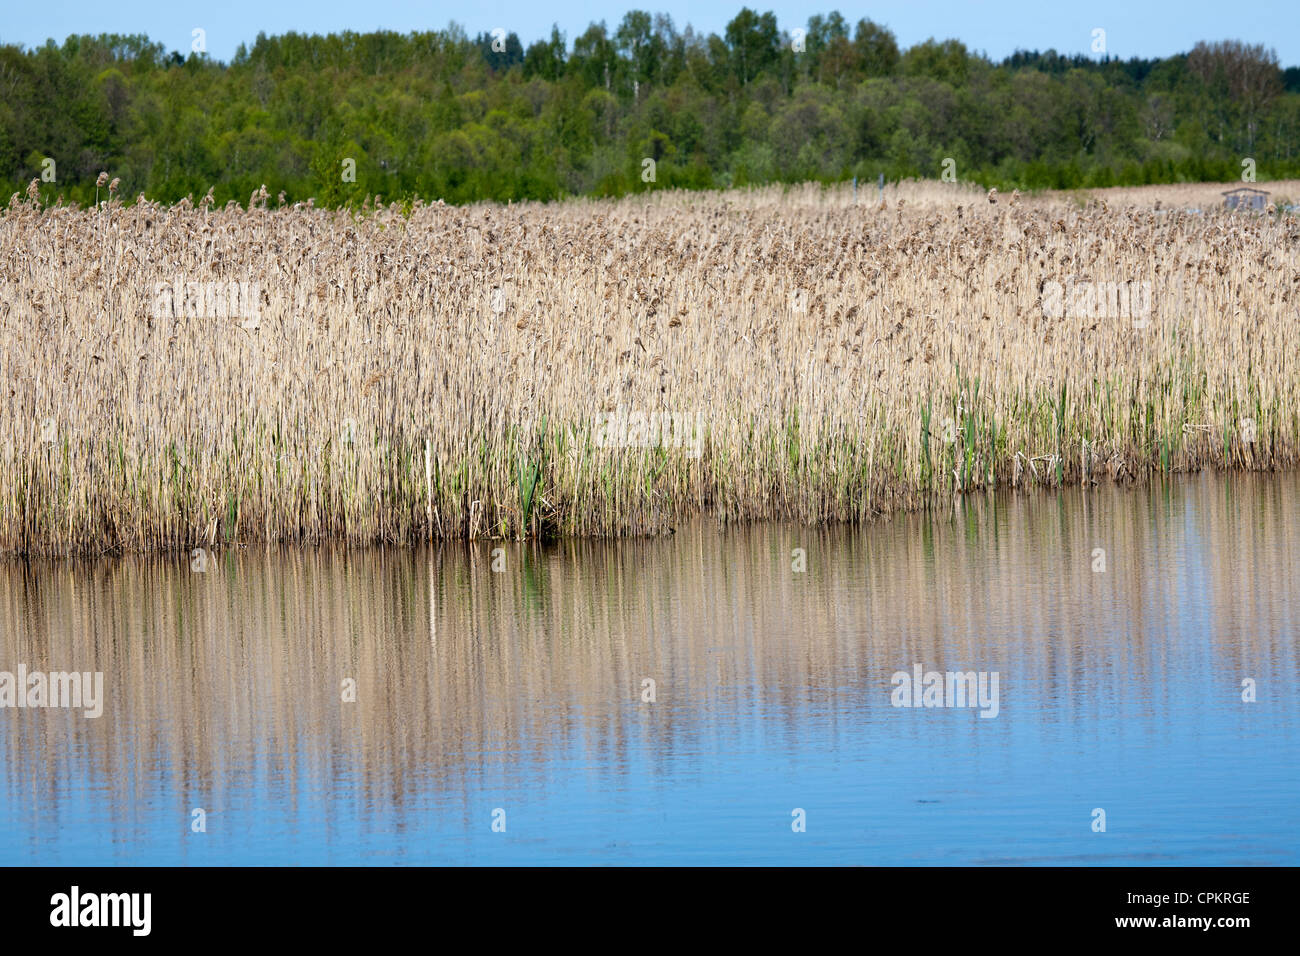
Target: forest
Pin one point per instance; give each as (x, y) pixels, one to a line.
(345, 118)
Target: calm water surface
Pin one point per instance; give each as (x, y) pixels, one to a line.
(521, 691)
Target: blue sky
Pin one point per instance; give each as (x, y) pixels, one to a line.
(1133, 27)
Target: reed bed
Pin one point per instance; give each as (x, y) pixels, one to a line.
(426, 371)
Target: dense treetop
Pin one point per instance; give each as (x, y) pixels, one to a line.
(445, 115)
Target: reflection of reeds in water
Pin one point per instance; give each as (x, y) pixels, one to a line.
(461, 671)
(438, 375)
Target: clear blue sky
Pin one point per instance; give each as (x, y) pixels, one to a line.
(1133, 27)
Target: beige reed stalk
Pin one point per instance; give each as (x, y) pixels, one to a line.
(812, 336)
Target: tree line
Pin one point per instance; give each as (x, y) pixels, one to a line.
(644, 105)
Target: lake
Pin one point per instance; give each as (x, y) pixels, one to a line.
(452, 705)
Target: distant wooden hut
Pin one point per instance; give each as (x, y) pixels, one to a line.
(1245, 197)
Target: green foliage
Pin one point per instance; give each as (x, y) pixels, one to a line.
(442, 115)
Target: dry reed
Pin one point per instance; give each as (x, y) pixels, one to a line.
(436, 371)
